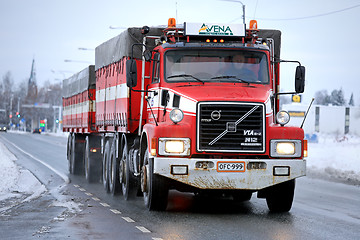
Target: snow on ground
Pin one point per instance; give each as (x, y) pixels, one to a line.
(16, 182)
(335, 157)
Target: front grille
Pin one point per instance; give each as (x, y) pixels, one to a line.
(230, 127)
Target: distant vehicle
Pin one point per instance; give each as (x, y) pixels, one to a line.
(37, 130)
(3, 127)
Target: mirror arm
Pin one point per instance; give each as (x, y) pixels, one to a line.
(289, 61)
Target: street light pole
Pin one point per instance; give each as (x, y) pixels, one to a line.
(243, 7)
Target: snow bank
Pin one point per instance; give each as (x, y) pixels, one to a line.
(337, 157)
(15, 181)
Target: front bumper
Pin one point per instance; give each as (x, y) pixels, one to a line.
(257, 174)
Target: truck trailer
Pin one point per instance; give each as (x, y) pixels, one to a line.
(192, 107)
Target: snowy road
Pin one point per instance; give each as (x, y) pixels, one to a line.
(321, 210)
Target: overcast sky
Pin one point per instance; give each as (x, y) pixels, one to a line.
(52, 31)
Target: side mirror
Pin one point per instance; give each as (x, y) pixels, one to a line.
(300, 79)
(131, 73)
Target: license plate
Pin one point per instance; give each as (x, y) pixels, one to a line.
(231, 166)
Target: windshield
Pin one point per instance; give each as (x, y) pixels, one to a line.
(216, 66)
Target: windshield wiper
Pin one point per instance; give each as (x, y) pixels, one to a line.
(227, 77)
(187, 75)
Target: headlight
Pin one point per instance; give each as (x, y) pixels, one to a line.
(176, 115)
(282, 117)
(285, 148)
(174, 146)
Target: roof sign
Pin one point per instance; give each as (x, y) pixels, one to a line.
(214, 29)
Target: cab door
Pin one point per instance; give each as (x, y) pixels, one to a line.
(153, 101)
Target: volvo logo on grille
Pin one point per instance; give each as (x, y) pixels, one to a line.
(215, 115)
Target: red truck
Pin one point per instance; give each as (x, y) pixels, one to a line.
(193, 108)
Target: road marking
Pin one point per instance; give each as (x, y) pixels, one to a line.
(89, 194)
(62, 175)
(128, 219)
(77, 186)
(143, 229)
(105, 204)
(81, 189)
(115, 211)
(96, 199)
(157, 239)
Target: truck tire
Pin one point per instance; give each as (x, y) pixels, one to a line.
(68, 147)
(92, 161)
(279, 198)
(155, 189)
(114, 182)
(76, 164)
(105, 168)
(127, 181)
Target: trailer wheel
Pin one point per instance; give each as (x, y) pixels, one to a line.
(76, 164)
(68, 148)
(114, 183)
(92, 161)
(105, 168)
(154, 188)
(279, 198)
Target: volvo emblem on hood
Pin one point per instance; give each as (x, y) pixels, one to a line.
(215, 115)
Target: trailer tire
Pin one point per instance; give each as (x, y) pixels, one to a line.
(279, 198)
(155, 189)
(92, 162)
(105, 168)
(114, 182)
(68, 148)
(76, 164)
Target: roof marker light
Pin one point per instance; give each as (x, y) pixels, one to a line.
(253, 25)
(171, 23)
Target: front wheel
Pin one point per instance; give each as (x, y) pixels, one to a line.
(154, 187)
(279, 198)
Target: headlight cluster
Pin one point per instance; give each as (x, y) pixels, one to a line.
(285, 148)
(174, 146)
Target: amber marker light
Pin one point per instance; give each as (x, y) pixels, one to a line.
(305, 148)
(171, 23)
(153, 147)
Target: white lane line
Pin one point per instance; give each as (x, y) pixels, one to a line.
(89, 194)
(82, 189)
(77, 186)
(157, 239)
(115, 211)
(104, 204)
(128, 219)
(143, 229)
(62, 175)
(96, 199)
